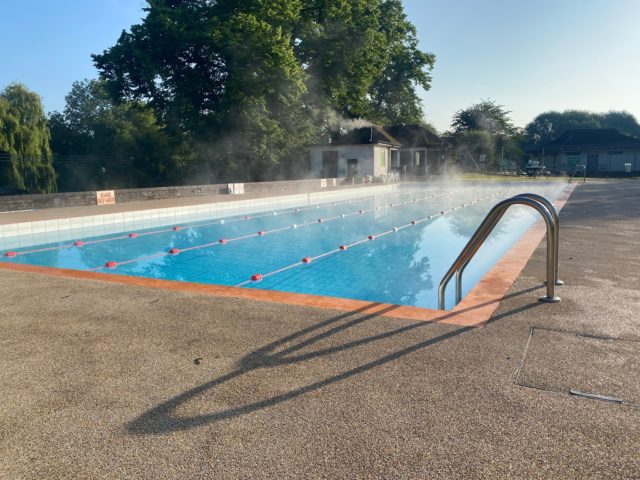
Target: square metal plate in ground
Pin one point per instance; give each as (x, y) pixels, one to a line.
(605, 368)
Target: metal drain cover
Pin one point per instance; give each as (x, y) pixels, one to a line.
(591, 367)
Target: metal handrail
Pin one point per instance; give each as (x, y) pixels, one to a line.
(575, 170)
(483, 231)
(556, 233)
(554, 213)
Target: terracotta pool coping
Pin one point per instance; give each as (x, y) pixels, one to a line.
(475, 309)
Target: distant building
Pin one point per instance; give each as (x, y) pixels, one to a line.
(378, 151)
(601, 150)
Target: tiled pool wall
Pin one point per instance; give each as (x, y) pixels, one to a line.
(26, 234)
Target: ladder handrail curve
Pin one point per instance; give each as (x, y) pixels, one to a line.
(487, 226)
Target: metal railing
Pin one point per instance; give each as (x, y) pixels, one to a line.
(584, 173)
(550, 216)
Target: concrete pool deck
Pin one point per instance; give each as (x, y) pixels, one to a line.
(104, 380)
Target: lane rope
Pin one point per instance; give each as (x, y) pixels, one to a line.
(224, 241)
(177, 228)
(342, 248)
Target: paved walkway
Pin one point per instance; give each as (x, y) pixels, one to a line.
(109, 381)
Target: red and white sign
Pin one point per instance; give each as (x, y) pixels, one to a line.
(106, 197)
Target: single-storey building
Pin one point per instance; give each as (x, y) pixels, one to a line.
(422, 152)
(601, 150)
(378, 151)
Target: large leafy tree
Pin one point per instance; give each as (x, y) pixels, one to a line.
(251, 81)
(549, 125)
(130, 146)
(24, 135)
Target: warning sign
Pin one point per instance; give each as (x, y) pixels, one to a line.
(106, 197)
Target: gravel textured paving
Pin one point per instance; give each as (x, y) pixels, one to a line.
(109, 381)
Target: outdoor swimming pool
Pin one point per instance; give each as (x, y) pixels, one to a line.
(391, 247)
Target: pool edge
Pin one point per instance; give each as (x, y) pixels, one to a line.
(475, 310)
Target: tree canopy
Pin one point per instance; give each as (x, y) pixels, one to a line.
(131, 147)
(24, 135)
(549, 125)
(484, 129)
(251, 81)
(486, 116)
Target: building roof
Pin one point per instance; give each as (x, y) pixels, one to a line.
(415, 136)
(593, 137)
(397, 136)
(365, 135)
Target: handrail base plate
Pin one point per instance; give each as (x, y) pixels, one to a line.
(546, 299)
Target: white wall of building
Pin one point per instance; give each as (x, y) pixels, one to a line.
(607, 161)
(368, 156)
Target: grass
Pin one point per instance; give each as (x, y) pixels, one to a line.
(511, 178)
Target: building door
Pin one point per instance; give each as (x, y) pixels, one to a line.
(330, 164)
(352, 167)
(592, 163)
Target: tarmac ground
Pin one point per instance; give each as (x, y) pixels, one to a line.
(102, 380)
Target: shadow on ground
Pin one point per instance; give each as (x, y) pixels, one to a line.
(161, 419)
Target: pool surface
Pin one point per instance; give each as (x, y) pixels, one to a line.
(390, 248)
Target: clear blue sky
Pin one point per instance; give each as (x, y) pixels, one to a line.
(530, 56)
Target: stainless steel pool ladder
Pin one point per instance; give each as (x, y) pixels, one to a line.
(550, 216)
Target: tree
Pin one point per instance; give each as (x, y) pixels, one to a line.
(486, 116)
(549, 125)
(131, 146)
(25, 136)
(482, 129)
(473, 144)
(250, 81)
(623, 121)
(362, 59)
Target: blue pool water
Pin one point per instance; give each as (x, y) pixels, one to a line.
(402, 267)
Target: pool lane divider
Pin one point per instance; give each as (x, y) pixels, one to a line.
(174, 251)
(342, 248)
(177, 228)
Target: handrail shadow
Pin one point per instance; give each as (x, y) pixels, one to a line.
(160, 419)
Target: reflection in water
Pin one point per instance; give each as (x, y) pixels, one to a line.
(467, 220)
